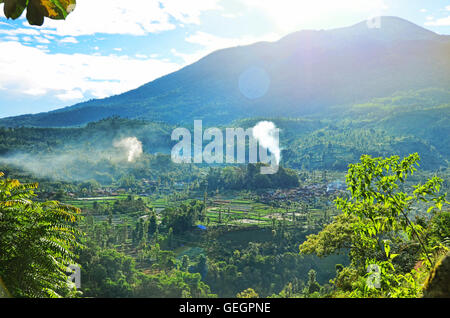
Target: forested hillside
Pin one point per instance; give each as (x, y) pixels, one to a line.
(304, 73)
(397, 125)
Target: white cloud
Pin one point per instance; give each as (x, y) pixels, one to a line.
(211, 43)
(11, 38)
(214, 42)
(69, 39)
(70, 95)
(21, 31)
(230, 15)
(73, 77)
(189, 58)
(439, 22)
(293, 15)
(42, 48)
(133, 17)
(189, 12)
(41, 40)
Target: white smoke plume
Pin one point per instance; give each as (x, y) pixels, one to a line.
(132, 146)
(266, 133)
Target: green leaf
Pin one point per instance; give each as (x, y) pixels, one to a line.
(387, 248)
(14, 8)
(58, 9)
(38, 9)
(35, 13)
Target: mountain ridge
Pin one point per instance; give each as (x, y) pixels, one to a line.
(308, 72)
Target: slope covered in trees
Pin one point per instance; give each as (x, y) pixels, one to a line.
(385, 222)
(393, 244)
(401, 124)
(309, 72)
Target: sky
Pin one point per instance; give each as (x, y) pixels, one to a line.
(107, 47)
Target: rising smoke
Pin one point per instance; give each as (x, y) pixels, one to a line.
(132, 146)
(76, 162)
(265, 132)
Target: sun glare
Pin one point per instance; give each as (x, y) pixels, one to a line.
(290, 15)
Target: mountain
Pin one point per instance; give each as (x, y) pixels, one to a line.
(304, 73)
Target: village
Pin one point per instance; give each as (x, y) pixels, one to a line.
(303, 193)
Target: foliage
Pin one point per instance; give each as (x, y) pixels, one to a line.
(383, 229)
(312, 286)
(107, 273)
(184, 217)
(379, 205)
(176, 284)
(38, 9)
(248, 293)
(249, 177)
(37, 241)
(334, 237)
(111, 274)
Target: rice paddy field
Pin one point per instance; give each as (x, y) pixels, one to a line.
(232, 209)
(86, 203)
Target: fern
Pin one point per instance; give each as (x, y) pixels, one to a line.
(37, 240)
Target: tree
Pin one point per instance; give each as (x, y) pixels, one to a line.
(37, 241)
(107, 273)
(38, 9)
(248, 293)
(313, 286)
(201, 267)
(334, 237)
(377, 219)
(152, 225)
(381, 208)
(184, 263)
(170, 238)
